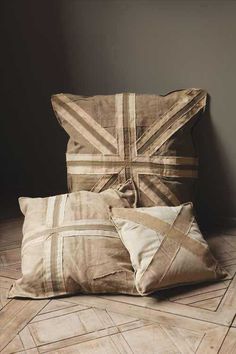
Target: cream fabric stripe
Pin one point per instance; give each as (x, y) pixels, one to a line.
(88, 232)
(93, 158)
(154, 197)
(117, 168)
(61, 211)
(47, 268)
(165, 172)
(44, 228)
(170, 114)
(175, 127)
(132, 123)
(104, 181)
(50, 211)
(119, 124)
(79, 127)
(58, 277)
(88, 222)
(168, 160)
(95, 169)
(174, 109)
(92, 122)
(71, 233)
(194, 246)
(84, 224)
(179, 123)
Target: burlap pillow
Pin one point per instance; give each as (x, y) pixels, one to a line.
(146, 137)
(70, 245)
(166, 247)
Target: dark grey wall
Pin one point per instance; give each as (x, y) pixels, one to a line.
(91, 47)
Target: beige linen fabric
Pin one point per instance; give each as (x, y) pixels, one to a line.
(127, 135)
(70, 245)
(166, 247)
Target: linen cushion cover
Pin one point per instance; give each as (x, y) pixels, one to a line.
(70, 245)
(166, 247)
(143, 136)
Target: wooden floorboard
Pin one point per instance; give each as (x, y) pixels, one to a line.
(191, 319)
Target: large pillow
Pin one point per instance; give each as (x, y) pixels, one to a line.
(127, 135)
(166, 247)
(70, 245)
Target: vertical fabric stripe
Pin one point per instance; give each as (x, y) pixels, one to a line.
(50, 211)
(132, 123)
(53, 247)
(119, 98)
(119, 123)
(47, 268)
(56, 264)
(126, 126)
(62, 206)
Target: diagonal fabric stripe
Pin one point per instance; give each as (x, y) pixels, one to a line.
(177, 232)
(83, 123)
(104, 182)
(179, 114)
(157, 192)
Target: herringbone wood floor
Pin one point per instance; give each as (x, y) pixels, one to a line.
(191, 319)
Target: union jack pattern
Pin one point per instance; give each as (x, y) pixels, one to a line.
(104, 151)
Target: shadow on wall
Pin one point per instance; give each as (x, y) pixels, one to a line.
(212, 170)
(35, 66)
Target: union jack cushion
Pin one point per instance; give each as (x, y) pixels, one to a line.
(142, 137)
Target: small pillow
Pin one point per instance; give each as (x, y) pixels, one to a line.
(166, 247)
(70, 245)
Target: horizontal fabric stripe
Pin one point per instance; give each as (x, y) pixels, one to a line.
(95, 169)
(165, 172)
(93, 157)
(168, 160)
(92, 225)
(88, 232)
(139, 167)
(72, 233)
